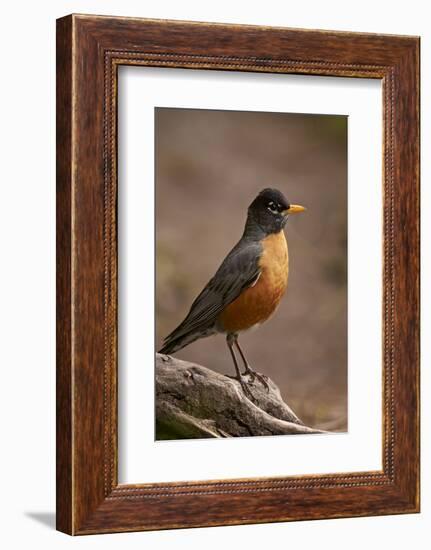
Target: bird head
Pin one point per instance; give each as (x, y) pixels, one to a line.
(270, 210)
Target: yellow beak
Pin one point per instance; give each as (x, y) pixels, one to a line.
(294, 209)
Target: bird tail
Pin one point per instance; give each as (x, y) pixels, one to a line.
(174, 343)
(178, 339)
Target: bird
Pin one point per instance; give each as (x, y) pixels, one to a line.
(247, 287)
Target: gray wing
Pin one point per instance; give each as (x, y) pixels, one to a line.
(239, 270)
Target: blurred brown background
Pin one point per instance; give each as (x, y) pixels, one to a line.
(209, 167)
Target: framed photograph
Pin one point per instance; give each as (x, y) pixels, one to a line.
(237, 274)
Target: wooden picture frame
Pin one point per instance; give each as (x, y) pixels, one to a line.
(89, 51)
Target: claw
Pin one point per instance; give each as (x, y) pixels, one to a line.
(244, 387)
(261, 377)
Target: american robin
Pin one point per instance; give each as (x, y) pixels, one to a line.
(248, 285)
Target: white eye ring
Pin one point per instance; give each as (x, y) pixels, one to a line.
(272, 208)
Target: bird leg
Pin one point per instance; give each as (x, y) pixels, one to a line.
(230, 339)
(248, 370)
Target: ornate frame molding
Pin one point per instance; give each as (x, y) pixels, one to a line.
(89, 498)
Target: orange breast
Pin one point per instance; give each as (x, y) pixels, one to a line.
(257, 303)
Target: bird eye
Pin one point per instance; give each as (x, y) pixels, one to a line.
(272, 207)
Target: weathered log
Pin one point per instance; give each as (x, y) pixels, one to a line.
(193, 401)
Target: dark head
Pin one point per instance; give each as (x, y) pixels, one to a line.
(270, 210)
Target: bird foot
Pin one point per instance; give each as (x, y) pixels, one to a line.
(246, 389)
(244, 385)
(261, 377)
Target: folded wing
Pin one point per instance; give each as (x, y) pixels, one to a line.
(239, 270)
